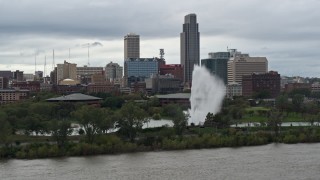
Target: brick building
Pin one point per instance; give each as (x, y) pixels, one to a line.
(292, 86)
(32, 86)
(13, 95)
(263, 82)
(175, 69)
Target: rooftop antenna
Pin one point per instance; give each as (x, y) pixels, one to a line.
(69, 54)
(53, 63)
(45, 65)
(88, 55)
(35, 63)
(161, 53)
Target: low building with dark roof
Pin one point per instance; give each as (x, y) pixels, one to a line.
(178, 98)
(76, 97)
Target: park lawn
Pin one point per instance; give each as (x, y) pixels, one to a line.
(257, 108)
(204, 130)
(253, 118)
(39, 138)
(292, 117)
(25, 138)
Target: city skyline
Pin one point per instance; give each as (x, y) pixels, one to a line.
(285, 33)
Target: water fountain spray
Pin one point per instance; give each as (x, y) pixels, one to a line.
(207, 93)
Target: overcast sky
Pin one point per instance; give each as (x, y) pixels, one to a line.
(287, 32)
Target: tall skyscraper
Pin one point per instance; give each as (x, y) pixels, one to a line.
(131, 46)
(189, 46)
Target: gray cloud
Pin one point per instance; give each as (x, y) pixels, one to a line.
(285, 32)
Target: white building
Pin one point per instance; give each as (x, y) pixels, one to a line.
(234, 89)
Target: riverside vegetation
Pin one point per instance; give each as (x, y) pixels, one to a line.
(23, 125)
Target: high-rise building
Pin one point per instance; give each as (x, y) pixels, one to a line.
(217, 64)
(6, 74)
(242, 64)
(189, 46)
(114, 72)
(131, 46)
(139, 69)
(38, 74)
(18, 75)
(66, 71)
(4, 83)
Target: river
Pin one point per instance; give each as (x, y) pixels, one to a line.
(273, 161)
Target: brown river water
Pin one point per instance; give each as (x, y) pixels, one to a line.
(273, 161)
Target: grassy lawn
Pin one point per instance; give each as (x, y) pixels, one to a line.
(40, 138)
(257, 108)
(25, 138)
(253, 118)
(292, 117)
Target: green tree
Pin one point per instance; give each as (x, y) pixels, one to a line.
(262, 94)
(311, 118)
(63, 110)
(34, 123)
(154, 102)
(60, 130)
(170, 110)
(220, 120)
(282, 103)
(113, 102)
(275, 121)
(315, 95)
(16, 113)
(237, 112)
(44, 109)
(311, 108)
(131, 120)
(297, 102)
(209, 121)
(91, 118)
(302, 91)
(180, 121)
(108, 120)
(5, 129)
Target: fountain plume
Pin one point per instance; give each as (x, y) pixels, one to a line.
(207, 93)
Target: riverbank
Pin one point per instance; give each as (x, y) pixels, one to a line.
(163, 139)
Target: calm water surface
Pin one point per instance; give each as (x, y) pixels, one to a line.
(274, 161)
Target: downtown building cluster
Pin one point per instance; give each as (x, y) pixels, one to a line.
(242, 74)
